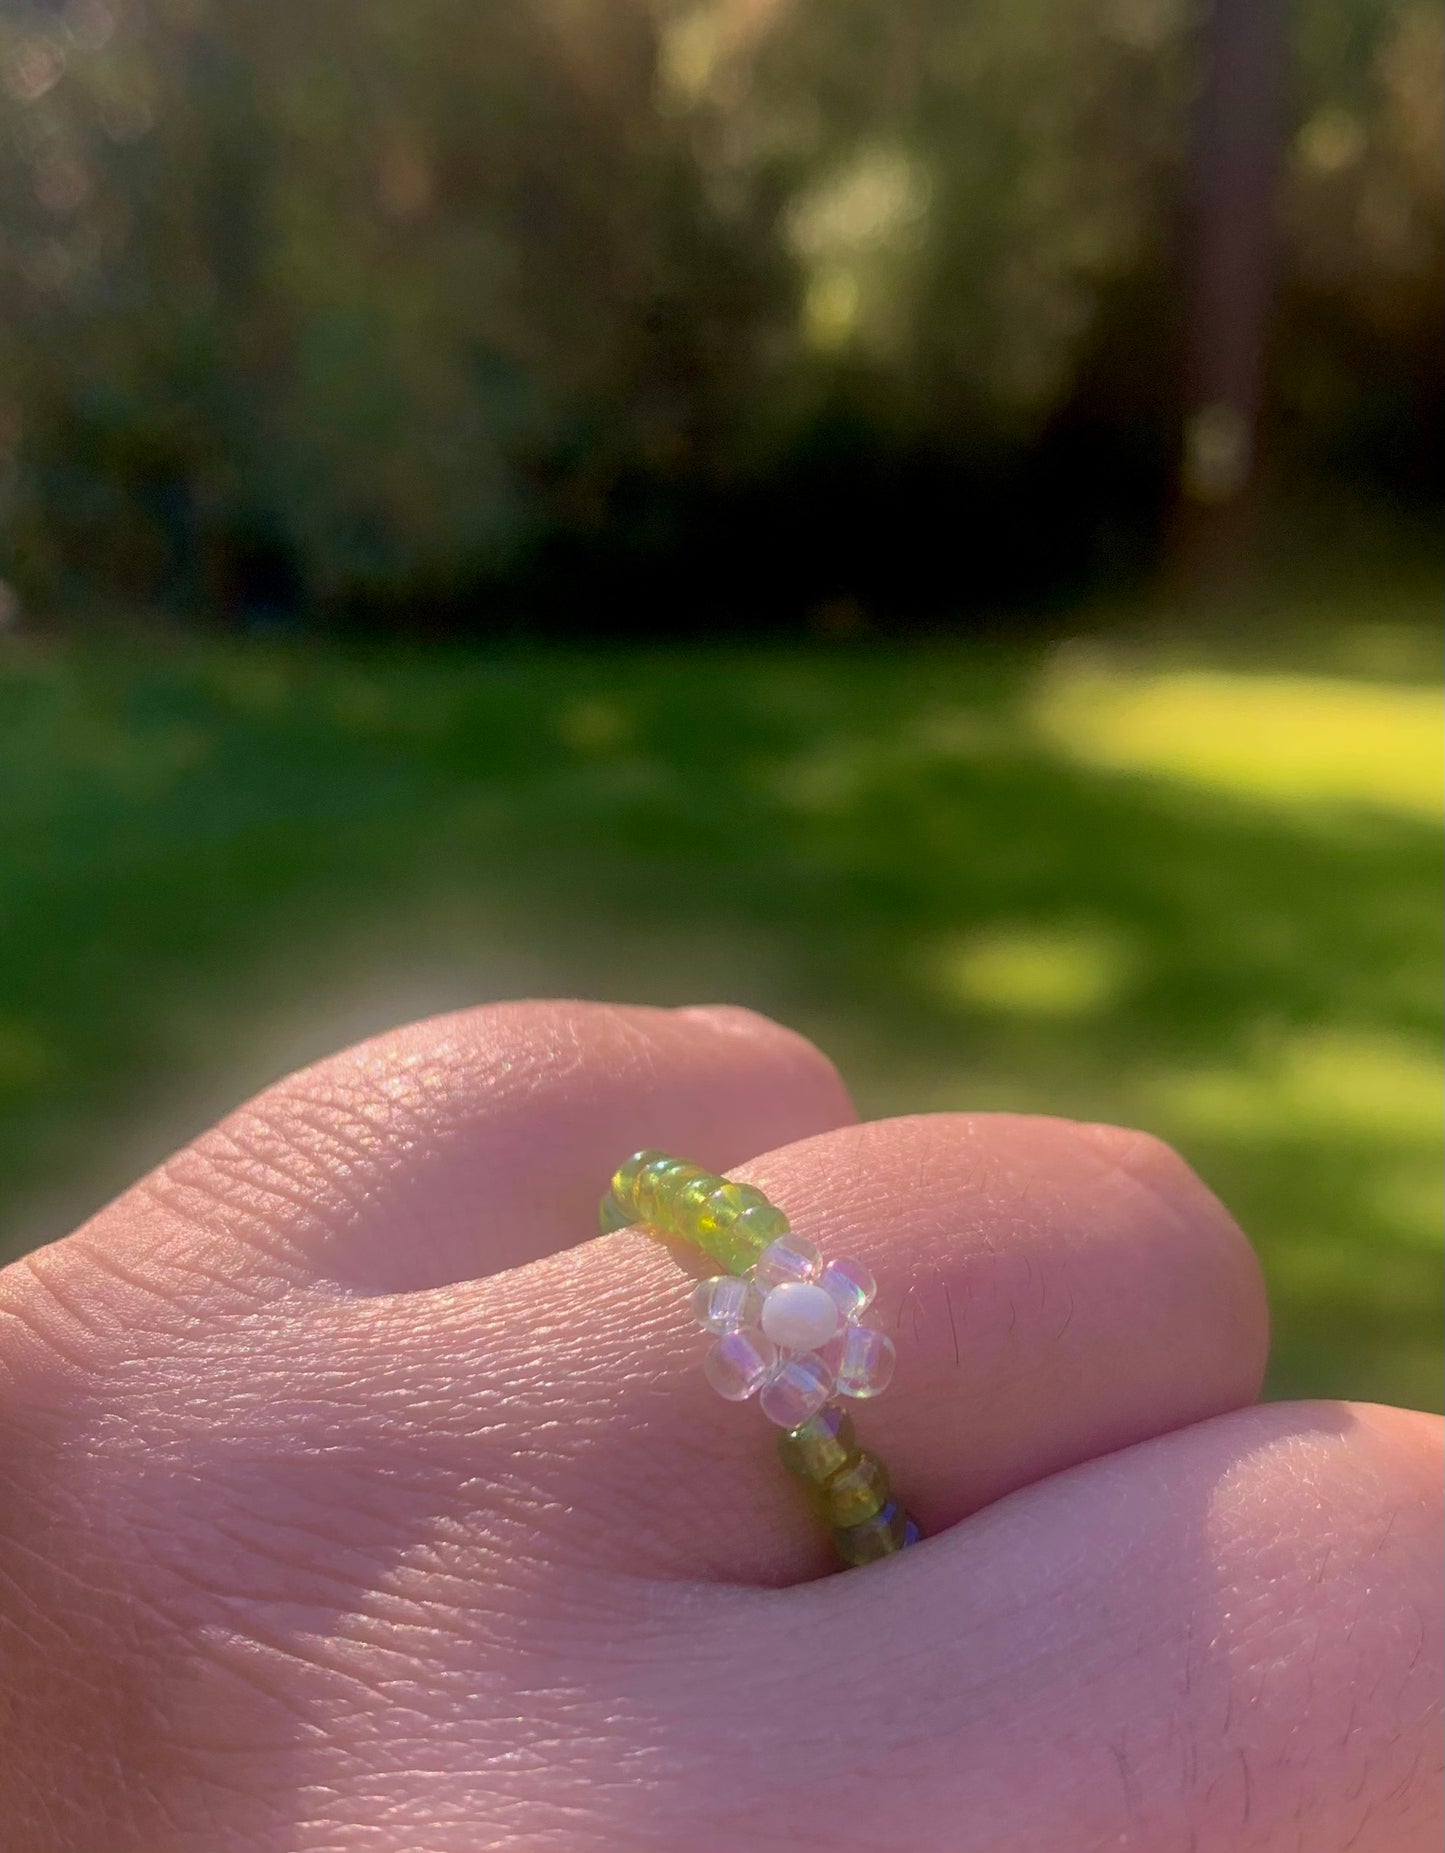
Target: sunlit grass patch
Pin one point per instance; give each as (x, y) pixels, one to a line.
(1279, 737)
(1319, 1082)
(1028, 971)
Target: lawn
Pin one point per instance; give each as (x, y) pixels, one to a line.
(1186, 882)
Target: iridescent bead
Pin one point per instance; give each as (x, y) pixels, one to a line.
(879, 1536)
(624, 1178)
(819, 1447)
(797, 1389)
(739, 1365)
(791, 1257)
(725, 1303)
(911, 1533)
(851, 1287)
(865, 1362)
(611, 1215)
(855, 1493)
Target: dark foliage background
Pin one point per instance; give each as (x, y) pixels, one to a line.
(489, 313)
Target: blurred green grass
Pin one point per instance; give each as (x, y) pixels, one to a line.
(1190, 883)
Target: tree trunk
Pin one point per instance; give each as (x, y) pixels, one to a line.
(1238, 130)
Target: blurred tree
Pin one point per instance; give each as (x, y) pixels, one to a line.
(778, 299)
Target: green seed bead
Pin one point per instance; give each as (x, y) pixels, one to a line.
(611, 1215)
(824, 1445)
(624, 1178)
(689, 1202)
(758, 1226)
(855, 1493)
(733, 1256)
(667, 1193)
(695, 1192)
(727, 1203)
(650, 1188)
(879, 1536)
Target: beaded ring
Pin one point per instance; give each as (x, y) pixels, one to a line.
(788, 1329)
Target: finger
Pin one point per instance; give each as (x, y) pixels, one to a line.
(462, 1145)
(1056, 1292)
(1227, 1638)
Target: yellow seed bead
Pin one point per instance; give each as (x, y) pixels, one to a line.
(855, 1493)
(822, 1447)
(624, 1178)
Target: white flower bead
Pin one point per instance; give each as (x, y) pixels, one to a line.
(799, 1316)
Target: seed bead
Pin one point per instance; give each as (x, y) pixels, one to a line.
(727, 1203)
(691, 1196)
(667, 1196)
(649, 1192)
(611, 1215)
(624, 1178)
(821, 1447)
(879, 1536)
(854, 1494)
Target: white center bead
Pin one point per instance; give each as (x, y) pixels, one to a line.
(799, 1316)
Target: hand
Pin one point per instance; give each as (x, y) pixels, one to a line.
(350, 1506)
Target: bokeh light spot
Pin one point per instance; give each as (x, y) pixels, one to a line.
(1030, 971)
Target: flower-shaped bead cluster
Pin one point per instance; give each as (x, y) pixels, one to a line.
(790, 1332)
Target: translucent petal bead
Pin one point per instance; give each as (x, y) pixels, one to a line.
(879, 1536)
(798, 1316)
(725, 1303)
(797, 1389)
(791, 1257)
(855, 1493)
(624, 1178)
(819, 1447)
(611, 1215)
(865, 1362)
(739, 1365)
(850, 1286)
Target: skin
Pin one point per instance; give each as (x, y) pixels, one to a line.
(351, 1506)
